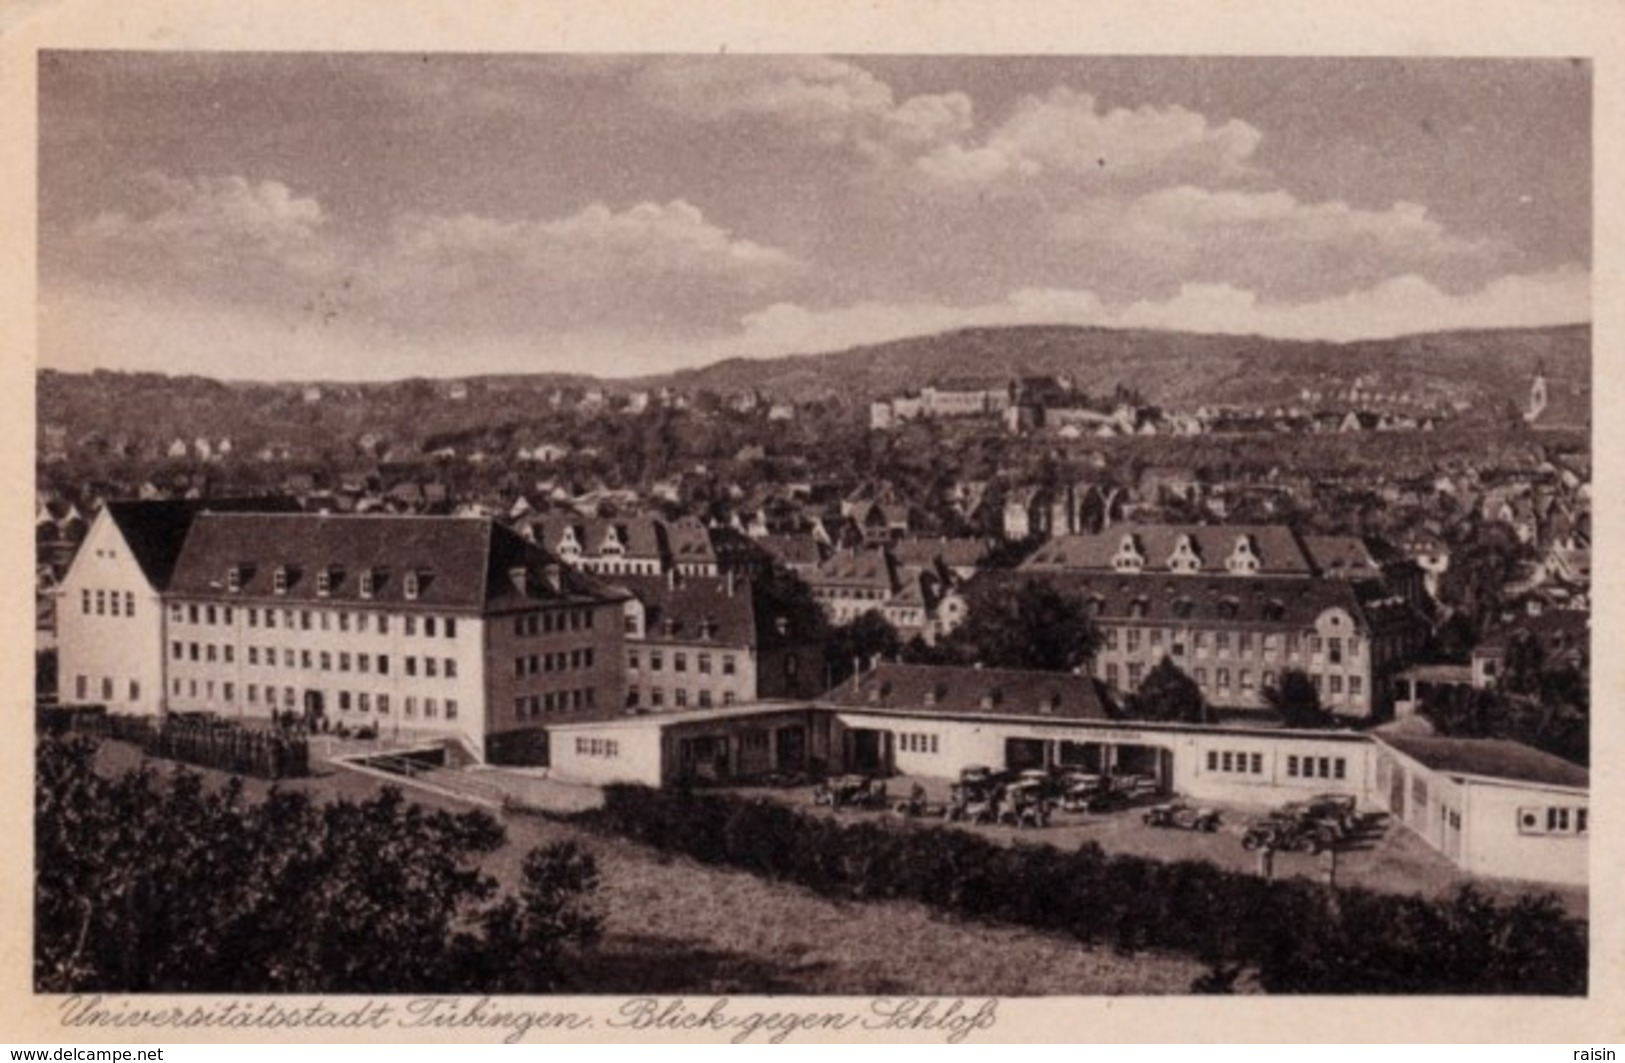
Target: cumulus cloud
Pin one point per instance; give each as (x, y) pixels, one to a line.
(200, 225)
(1394, 307)
(833, 101)
(594, 245)
(1269, 240)
(1066, 136)
(259, 243)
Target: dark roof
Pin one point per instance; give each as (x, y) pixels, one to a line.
(954, 553)
(792, 549)
(640, 536)
(1495, 758)
(946, 691)
(463, 563)
(681, 609)
(156, 530)
(863, 568)
(1173, 599)
(1345, 556)
(1279, 551)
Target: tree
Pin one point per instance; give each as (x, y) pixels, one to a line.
(1027, 625)
(1297, 700)
(162, 884)
(1168, 694)
(858, 642)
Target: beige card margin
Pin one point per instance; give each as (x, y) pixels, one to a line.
(1593, 29)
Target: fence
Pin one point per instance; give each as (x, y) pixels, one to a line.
(208, 743)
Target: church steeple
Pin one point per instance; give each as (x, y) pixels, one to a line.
(1537, 395)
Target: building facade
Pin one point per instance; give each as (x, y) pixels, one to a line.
(441, 628)
(109, 612)
(1235, 607)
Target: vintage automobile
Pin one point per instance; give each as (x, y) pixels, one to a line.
(851, 791)
(1342, 807)
(1026, 804)
(917, 804)
(1282, 831)
(973, 804)
(1181, 815)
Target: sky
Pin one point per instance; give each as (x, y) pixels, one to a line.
(356, 217)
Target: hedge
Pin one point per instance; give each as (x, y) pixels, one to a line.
(1300, 937)
(211, 744)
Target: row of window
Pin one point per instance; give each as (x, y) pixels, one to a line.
(1232, 762)
(530, 706)
(1335, 685)
(538, 663)
(1556, 819)
(348, 701)
(107, 603)
(324, 660)
(1238, 762)
(864, 594)
(81, 689)
(916, 743)
(1316, 767)
(679, 661)
(314, 619)
(1244, 641)
(551, 620)
(597, 747)
(657, 697)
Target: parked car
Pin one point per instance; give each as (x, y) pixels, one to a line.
(1281, 831)
(1181, 815)
(1026, 804)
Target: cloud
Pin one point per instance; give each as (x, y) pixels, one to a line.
(1397, 306)
(1064, 136)
(198, 226)
(258, 243)
(834, 102)
(594, 245)
(1267, 240)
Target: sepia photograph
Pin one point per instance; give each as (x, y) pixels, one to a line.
(937, 527)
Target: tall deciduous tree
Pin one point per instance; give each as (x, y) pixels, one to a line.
(1297, 700)
(1167, 693)
(1030, 624)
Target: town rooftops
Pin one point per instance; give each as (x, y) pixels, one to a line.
(1342, 556)
(1159, 598)
(156, 530)
(414, 562)
(1491, 758)
(690, 609)
(952, 691)
(1278, 552)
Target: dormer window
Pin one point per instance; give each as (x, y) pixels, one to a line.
(324, 583)
(234, 579)
(992, 698)
(1129, 557)
(366, 582)
(412, 586)
(1138, 607)
(1243, 559)
(1184, 558)
(279, 580)
(519, 577)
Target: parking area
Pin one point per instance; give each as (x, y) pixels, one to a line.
(1377, 855)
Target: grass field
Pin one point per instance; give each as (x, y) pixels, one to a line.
(672, 926)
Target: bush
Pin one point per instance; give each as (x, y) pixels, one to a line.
(1300, 937)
